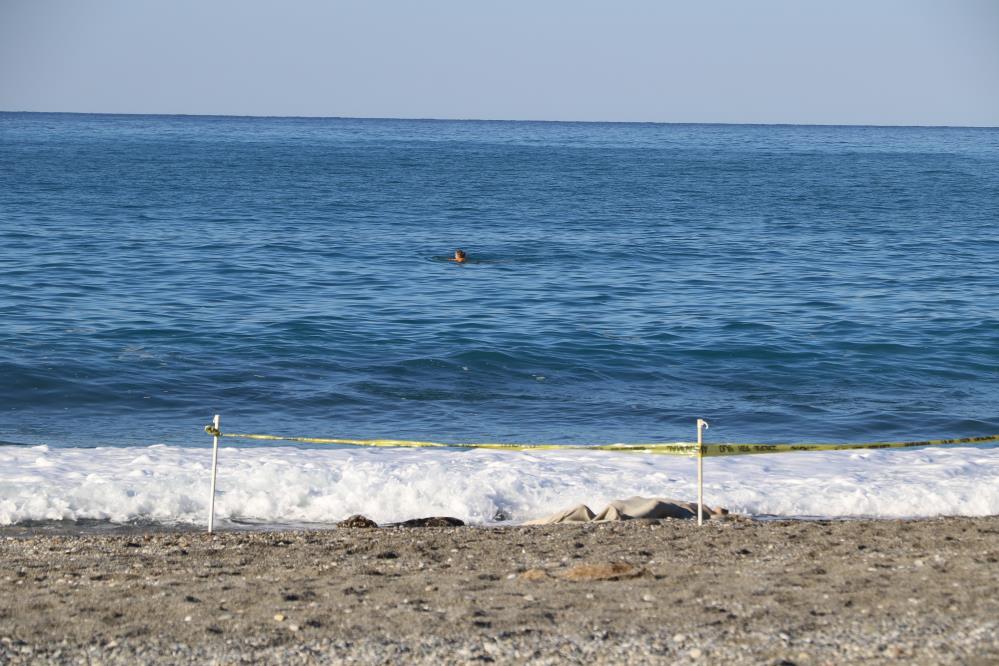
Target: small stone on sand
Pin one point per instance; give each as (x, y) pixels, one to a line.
(534, 574)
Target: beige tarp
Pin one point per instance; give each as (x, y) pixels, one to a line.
(649, 508)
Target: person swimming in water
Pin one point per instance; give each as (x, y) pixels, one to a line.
(459, 256)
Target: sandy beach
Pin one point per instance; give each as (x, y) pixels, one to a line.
(735, 591)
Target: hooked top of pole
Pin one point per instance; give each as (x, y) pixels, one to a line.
(213, 427)
(701, 423)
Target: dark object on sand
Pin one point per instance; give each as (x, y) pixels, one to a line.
(433, 521)
(357, 521)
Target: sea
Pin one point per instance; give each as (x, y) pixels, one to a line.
(797, 284)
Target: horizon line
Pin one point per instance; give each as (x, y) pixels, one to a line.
(490, 120)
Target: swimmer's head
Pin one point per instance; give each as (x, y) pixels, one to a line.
(459, 256)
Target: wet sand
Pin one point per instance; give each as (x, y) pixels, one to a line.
(735, 591)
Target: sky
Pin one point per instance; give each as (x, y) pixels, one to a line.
(877, 62)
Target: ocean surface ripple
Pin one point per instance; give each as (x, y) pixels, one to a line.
(785, 283)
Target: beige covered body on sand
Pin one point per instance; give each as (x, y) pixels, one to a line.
(633, 508)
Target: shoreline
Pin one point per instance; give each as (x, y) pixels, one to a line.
(97, 527)
(734, 591)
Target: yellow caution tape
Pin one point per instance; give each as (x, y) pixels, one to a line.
(744, 449)
(676, 449)
(661, 448)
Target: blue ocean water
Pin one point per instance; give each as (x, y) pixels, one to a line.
(784, 282)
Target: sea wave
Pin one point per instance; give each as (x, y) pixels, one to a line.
(294, 485)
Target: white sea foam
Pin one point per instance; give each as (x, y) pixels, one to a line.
(282, 485)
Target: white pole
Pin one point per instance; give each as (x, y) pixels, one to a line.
(701, 425)
(215, 466)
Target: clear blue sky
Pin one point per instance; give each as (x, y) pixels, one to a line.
(886, 62)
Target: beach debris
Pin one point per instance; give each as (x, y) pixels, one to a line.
(633, 508)
(357, 520)
(433, 521)
(603, 571)
(279, 617)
